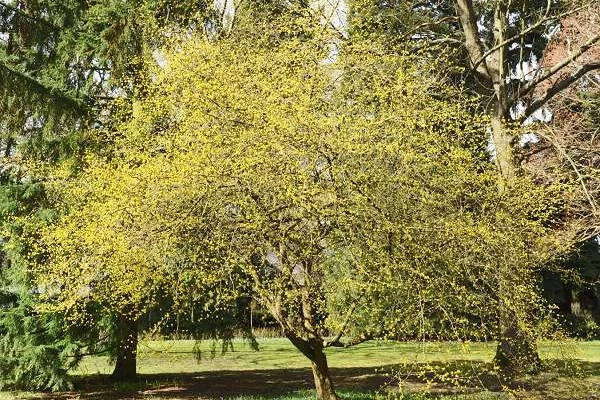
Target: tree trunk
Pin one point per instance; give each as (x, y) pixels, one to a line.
(516, 353)
(125, 367)
(516, 350)
(313, 350)
(323, 383)
(506, 162)
(494, 71)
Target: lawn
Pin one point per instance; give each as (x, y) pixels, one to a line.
(170, 369)
(157, 357)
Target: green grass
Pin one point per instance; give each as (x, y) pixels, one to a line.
(156, 357)
(169, 356)
(170, 369)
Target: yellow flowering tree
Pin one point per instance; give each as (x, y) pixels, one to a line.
(344, 190)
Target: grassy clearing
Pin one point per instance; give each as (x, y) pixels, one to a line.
(171, 370)
(156, 357)
(170, 356)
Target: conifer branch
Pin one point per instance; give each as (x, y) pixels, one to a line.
(51, 92)
(23, 14)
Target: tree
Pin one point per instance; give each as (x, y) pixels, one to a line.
(62, 66)
(508, 39)
(496, 48)
(567, 149)
(348, 198)
(37, 348)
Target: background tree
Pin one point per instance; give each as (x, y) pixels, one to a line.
(509, 38)
(37, 349)
(566, 149)
(62, 65)
(504, 52)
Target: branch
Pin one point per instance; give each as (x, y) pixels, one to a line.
(445, 40)
(529, 29)
(533, 83)
(588, 233)
(29, 17)
(301, 344)
(358, 340)
(580, 177)
(351, 310)
(234, 16)
(417, 29)
(328, 19)
(474, 47)
(55, 93)
(533, 152)
(558, 87)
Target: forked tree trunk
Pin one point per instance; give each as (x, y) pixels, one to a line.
(125, 367)
(314, 351)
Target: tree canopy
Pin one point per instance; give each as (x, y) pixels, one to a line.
(360, 179)
(350, 198)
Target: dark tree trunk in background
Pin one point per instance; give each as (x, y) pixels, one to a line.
(125, 367)
(516, 354)
(516, 351)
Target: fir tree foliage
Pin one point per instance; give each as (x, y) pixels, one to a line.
(62, 62)
(36, 349)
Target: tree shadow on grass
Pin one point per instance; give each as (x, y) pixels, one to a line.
(438, 378)
(560, 379)
(221, 384)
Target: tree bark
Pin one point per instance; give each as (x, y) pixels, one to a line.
(314, 351)
(505, 159)
(125, 367)
(516, 353)
(323, 383)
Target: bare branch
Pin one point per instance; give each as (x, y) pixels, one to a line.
(531, 28)
(579, 177)
(533, 83)
(466, 14)
(417, 29)
(445, 40)
(558, 87)
(533, 152)
(358, 340)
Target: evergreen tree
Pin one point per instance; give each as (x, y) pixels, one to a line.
(62, 65)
